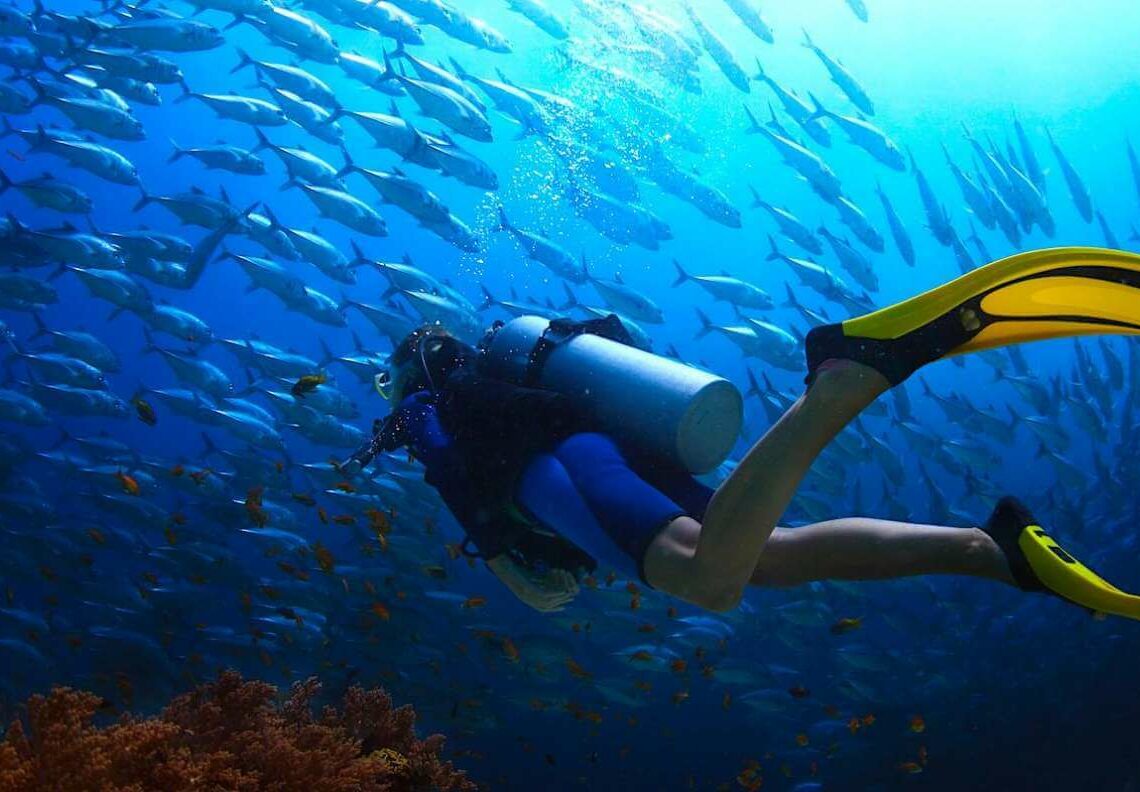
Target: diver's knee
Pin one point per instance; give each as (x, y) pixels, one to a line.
(671, 566)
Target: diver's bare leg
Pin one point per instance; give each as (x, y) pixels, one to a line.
(748, 503)
(861, 548)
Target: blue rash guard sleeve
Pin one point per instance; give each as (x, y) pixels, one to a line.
(445, 469)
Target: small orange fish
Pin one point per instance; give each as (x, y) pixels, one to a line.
(634, 602)
(510, 651)
(646, 628)
(304, 498)
(846, 625)
(678, 666)
(922, 755)
(679, 696)
(853, 725)
(96, 536)
(914, 768)
(177, 471)
(802, 740)
(324, 558)
(576, 670)
(171, 537)
(611, 576)
(799, 692)
(474, 602)
(322, 515)
(308, 384)
(868, 719)
(200, 476)
(380, 611)
(641, 656)
(144, 412)
(289, 569)
(917, 724)
(590, 582)
(643, 685)
(128, 483)
(344, 519)
(345, 486)
(671, 612)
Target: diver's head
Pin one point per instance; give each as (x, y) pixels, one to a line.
(422, 361)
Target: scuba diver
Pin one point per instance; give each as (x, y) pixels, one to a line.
(522, 439)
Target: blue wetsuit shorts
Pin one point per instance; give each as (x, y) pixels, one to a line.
(609, 504)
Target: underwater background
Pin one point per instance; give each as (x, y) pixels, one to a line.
(154, 533)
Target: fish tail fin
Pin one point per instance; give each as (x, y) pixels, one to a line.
(757, 201)
(349, 166)
(682, 276)
(38, 89)
(186, 92)
(389, 72)
(41, 328)
(488, 298)
(460, 72)
(243, 60)
(327, 356)
(571, 300)
(64, 438)
(773, 251)
(792, 301)
(178, 152)
(752, 120)
(144, 199)
(208, 447)
(149, 346)
(753, 386)
(263, 142)
(760, 73)
(706, 324)
(7, 129)
(5, 182)
(358, 257)
(820, 111)
(807, 42)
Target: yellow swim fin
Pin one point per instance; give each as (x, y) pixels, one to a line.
(1038, 563)
(1051, 293)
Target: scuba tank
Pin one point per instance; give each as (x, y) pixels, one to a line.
(678, 412)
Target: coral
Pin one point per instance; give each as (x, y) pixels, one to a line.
(229, 734)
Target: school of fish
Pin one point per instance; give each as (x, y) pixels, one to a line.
(320, 177)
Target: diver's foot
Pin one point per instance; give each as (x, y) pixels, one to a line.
(1009, 518)
(895, 359)
(847, 382)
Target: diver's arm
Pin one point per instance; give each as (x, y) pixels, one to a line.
(545, 592)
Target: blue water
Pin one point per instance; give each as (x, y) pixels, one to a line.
(1016, 691)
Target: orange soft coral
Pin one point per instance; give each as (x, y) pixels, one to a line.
(229, 734)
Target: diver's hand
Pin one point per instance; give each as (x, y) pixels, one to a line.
(545, 592)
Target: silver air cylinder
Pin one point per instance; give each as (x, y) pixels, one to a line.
(656, 404)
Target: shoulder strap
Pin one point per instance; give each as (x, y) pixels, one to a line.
(563, 329)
